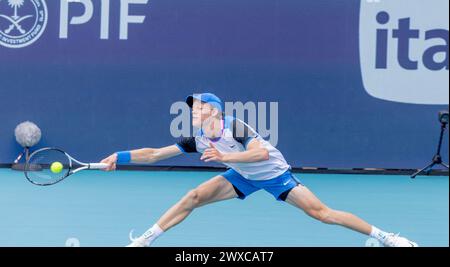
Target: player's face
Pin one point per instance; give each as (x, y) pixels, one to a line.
(200, 113)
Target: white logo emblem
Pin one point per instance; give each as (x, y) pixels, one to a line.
(22, 22)
(404, 50)
(72, 242)
(372, 242)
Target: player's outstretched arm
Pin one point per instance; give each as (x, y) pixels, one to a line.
(143, 155)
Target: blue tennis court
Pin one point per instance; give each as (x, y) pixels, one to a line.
(351, 95)
(99, 209)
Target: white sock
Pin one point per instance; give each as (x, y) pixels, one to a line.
(151, 234)
(378, 234)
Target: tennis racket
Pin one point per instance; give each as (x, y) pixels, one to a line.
(39, 170)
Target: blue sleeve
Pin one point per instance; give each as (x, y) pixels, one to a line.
(242, 133)
(187, 145)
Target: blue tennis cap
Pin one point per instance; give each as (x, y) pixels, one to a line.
(209, 98)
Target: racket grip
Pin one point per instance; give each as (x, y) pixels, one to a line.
(97, 166)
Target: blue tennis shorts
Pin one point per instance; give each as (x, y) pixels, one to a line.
(279, 186)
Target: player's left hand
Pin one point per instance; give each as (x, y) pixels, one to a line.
(212, 154)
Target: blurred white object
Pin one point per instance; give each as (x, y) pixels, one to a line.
(27, 134)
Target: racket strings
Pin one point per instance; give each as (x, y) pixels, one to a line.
(39, 167)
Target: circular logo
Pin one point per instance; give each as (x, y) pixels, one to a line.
(22, 22)
(372, 242)
(72, 242)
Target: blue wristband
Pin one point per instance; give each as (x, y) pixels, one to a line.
(123, 157)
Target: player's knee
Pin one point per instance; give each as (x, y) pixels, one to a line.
(192, 199)
(325, 215)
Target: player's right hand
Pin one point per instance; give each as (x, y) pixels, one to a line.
(111, 161)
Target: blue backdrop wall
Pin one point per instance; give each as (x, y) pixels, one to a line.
(93, 96)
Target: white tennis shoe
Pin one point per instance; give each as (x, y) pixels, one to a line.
(394, 240)
(141, 241)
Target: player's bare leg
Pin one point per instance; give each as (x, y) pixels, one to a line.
(301, 197)
(216, 189)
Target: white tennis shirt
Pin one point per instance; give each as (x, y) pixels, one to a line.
(236, 135)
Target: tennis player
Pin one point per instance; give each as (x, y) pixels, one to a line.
(254, 164)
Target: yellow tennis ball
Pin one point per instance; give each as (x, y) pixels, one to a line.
(56, 167)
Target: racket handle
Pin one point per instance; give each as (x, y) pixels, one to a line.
(97, 166)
